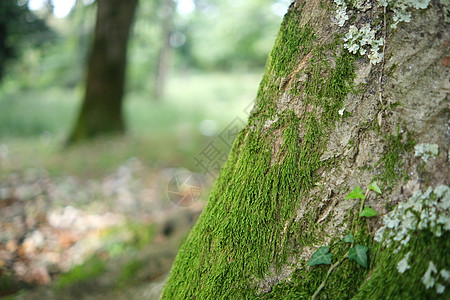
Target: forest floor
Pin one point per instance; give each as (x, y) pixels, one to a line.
(70, 237)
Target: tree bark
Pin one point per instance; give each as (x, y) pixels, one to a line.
(101, 111)
(325, 121)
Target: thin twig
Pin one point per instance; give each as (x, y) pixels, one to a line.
(332, 267)
(380, 80)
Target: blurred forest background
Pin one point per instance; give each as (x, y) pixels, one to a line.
(93, 219)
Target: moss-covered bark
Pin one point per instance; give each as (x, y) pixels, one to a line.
(101, 111)
(318, 129)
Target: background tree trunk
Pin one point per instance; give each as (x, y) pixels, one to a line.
(326, 121)
(165, 53)
(101, 111)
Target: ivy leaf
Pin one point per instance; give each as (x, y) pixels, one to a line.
(368, 212)
(321, 256)
(349, 238)
(374, 187)
(358, 254)
(357, 193)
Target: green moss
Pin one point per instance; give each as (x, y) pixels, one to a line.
(386, 282)
(327, 87)
(392, 69)
(394, 105)
(248, 229)
(239, 221)
(343, 282)
(391, 163)
(414, 237)
(293, 43)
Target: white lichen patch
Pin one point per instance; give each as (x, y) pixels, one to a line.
(422, 211)
(402, 265)
(445, 274)
(446, 7)
(426, 151)
(269, 122)
(402, 8)
(363, 40)
(440, 288)
(341, 12)
(428, 278)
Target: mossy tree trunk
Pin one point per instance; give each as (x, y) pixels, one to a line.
(101, 111)
(326, 121)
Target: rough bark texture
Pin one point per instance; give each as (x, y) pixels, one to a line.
(101, 111)
(281, 194)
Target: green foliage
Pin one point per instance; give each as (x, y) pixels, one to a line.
(349, 238)
(19, 28)
(368, 212)
(357, 193)
(240, 38)
(374, 187)
(358, 254)
(321, 256)
(50, 54)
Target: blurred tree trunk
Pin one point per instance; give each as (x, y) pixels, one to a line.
(326, 121)
(101, 111)
(167, 15)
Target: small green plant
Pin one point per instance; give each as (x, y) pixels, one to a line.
(321, 256)
(357, 252)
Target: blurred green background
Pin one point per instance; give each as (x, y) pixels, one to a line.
(214, 62)
(218, 52)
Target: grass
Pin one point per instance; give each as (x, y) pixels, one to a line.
(34, 124)
(92, 268)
